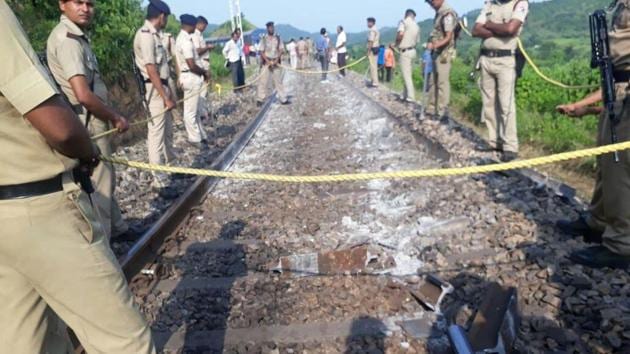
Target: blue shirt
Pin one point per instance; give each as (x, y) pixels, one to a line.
(428, 62)
(381, 56)
(322, 44)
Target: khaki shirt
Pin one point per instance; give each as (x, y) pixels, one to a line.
(148, 47)
(24, 84)
(620, 37)
(185, 49)
(200, 42)
(302, 47)
(70, 54)
(496, 12)
(271, 46)
(411, 33)
(374, 36)
(445, 22)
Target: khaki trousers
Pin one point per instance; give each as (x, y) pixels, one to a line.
(275, 74)
(204, 109)
(610, 207)
(160, 133)
(406, 69)
(104, 180)
(498, 79)
(303, 58)
(55, 260)
(192, 85)
(440, 86)
(373, 68)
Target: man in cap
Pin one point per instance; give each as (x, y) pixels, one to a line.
(192, 79)
(499, 24)
(442, 45)
(608, 223)
(152, 60)
(407, 39)
(203, 50)
(302, 51)
(373, 44)
(55, 258)
(75, 68)
(271, 50)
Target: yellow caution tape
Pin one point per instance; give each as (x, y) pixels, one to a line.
(186, 98)
(472, 170)
(309, 72)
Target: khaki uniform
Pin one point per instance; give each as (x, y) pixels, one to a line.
(374, 37)
(148, 47)
(610, 207)
(439, 82)
(69, 54)
(411, 37)
(498, 75)
(204, 63)
(273, 48)
(192, 85)
(302, 51)
(55, 259)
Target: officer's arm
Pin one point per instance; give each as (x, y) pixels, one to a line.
(93, 103)
(194, 68)
(443, 42)
(583, 107)
(399, 37)
(62, 129)
(509, 29)
(480, 31)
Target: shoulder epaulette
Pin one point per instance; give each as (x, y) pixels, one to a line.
(73, 36)
(145, 30)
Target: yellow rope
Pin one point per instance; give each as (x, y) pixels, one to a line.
(308, 72)
(537, 70)
(380, 175)
(186, 98)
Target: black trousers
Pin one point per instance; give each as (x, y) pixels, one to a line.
(389, 74)
(341, 62)
(238, 74)
(381, 72)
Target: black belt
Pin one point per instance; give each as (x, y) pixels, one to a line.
(77, 108)
(621, 76)
(163, 81)
(402, 50)
(497, 53)
(32, 189)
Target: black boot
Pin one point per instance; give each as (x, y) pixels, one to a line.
(578, 228)
(600, 257)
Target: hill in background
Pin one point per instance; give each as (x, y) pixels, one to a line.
(225, 29)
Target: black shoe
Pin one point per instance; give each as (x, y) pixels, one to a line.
(600, 257)
(285, 103)
(259, 104)
(487, 148)
(578, 228)
(168, 194)
(509, 156)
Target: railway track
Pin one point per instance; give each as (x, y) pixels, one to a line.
(210, 277)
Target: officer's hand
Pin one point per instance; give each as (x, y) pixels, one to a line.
(121, 123)
(430, 46)
(169, 103)
(573, 110)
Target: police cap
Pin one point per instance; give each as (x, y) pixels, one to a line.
(187, 19)
(159, 6)
(269, 24)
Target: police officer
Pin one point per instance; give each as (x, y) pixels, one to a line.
(499, 24)
(192, 79)
(271, 50)
(608, 222)
(151, 59)
(302, 50)
(55, 258)
(75, 68)
(203, 62)
(373, 44)
(407, 39)
(442, 44)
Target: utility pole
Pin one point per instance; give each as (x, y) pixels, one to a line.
(235, 15)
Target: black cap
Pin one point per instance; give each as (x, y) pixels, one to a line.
(202, 19)
(410, 12)
(270, 23)
(187, 19)
(159, 6)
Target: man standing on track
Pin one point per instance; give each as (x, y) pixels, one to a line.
(342, 51)
(442, 45)
(302, 50)
(234, 56)
(373, 43)
(322, 54)
(292, 49)
(152, 61)
(75, 68)
(203, 50)
(192, 79)
(271, 53)
(55, 260)
(499, 24)
(407, 40)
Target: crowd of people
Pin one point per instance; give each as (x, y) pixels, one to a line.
(57, 200)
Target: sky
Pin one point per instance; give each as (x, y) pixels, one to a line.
(311, 15)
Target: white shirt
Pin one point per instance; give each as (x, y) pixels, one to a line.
(200, 42)
(292, 48)
(185, 49)
(341, 39)
(231, 51)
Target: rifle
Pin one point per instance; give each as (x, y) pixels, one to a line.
(141, 85)
(601, 59)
